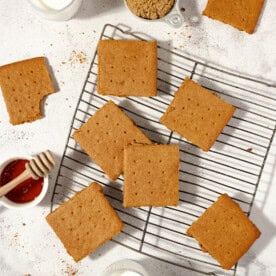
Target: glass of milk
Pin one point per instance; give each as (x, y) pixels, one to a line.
(59, 10)
(125, 267)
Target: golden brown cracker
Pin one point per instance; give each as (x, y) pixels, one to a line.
(104, 136)
(224, 231)
(242, 14)
(24, 84)
(151, 174)
(127, 68)
(85, 222)
(197, 114)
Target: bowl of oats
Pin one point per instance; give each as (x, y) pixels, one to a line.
(156, 10)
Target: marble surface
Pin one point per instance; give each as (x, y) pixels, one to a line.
(27, 244)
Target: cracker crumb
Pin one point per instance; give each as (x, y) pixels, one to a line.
(70, 270)
(77, 57)
(15, 241)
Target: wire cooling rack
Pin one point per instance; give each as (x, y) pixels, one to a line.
(234, 165)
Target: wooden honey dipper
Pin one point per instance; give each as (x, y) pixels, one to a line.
(39, 166)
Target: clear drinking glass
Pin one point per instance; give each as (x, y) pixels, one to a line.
(125, 267)
(59, 10)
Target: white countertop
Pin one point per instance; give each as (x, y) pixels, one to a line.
(27, 244)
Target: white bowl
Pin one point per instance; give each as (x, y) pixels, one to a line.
(13, 205)
(174, 17)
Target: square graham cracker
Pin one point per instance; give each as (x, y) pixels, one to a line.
(197, 114)
(224, 231)
(127, 68)
(85, 222)
(24, 84)
(242, 14)
(104, 136)
(151, 175)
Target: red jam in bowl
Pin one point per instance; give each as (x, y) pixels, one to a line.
(27, 190)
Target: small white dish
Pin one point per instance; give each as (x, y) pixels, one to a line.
(174, 18)
(61, 10)
(125, 267)
(13, 205)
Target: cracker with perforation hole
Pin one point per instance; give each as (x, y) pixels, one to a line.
(242, 14)
(24, 84)
(104, 136)
(85, 222)
(127, 68)
(197, 114)
(151, 174)
(224, 231)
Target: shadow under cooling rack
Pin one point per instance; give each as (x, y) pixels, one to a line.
(234, 165)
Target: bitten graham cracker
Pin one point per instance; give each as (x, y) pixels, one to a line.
(151, 174)
(224, 231)
(242, 14)
(24, 84)
(197, 114)
(85, 222)
(104, 136)
(127, 68)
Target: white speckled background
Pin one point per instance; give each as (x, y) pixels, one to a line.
(27, 244)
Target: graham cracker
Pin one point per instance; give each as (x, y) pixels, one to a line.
(85, 222)
(242, 14)
(151, 175)
(24, 84)
(224, 231)
(104, 136)
(197, 114)
(127, 68)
